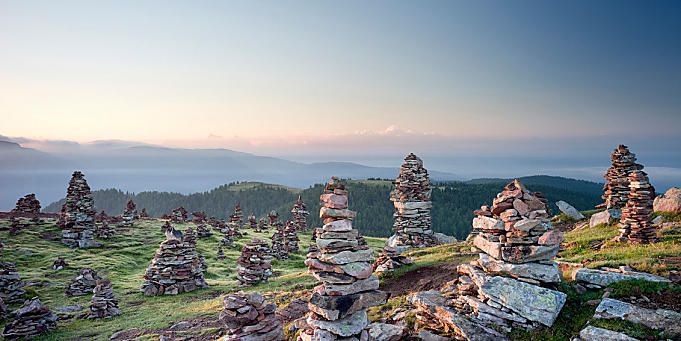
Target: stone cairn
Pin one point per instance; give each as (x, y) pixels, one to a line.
(278, 249)
(507, 285)
(190, 237)
(103, 304)
(129, 214)
(252, 222)
(31, 320)
(175, 268)
(227, 240)
(221, 254)
(203, 231)
(178, 215)
(104, 230)
(79, 214)
(254, 264)
(248, 317)
(635, 225)
(237, 218)
(84, 283)
(28, 206)
(199, 217)
(389, 259)
(616, 187)
(144, 214)
(11, 287)
(59, 264)
(261, 225)
(411, 198)
(299, 214)
(291, 236)
(338, 305)
(101, 217)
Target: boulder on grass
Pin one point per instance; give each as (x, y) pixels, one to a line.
(668, 202)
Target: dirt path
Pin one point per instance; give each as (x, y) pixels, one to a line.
(421, 279)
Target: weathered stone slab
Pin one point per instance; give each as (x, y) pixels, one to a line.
(369, 283)
(487, 223)
(547, 273)
(669, 201)
(569, 210)
(385, 332)
(326, 212)
(345, 257)
(342, 225)
(336, 307)
(348, 326)
(604, 278)
(605, 217)
(591, 333)
(660, 319)
(413, 205)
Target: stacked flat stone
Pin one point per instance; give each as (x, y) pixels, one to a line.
(616, 187)
(635, 225)
(190, 237)
(221, 254)
(338, 305)
(144, 214)
(27, 206)
(175, 268)
(102, 216)
(389, 259)
(129, 214)
(299, 214)
(104, 304)
(59, 264)
(202, 230)
(104, 230)
(261, 225)
(411, 198)
(507, 285)
(227, 240)
(199, 217)
(79, 214)
(252, 222)
(11, 287)
(279, 249)
(290, 236)
(83, 283)
(178, 215)
(254, 264)
(237, 218)
(31, 320)
(248, 317)
(17, 225)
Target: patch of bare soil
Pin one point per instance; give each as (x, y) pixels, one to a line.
(663, 299)
(421, 279)
(194, 326)
(50, 235)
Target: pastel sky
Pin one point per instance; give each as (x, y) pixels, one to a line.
(274, 75)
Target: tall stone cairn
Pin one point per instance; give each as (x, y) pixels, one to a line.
(103, 304)
(11, 286)
(190, 237)
(178, 215)
(79, 214)
(175, 268)
(278, 249)
(237, 218)
(616, 188)
(635, 226)
(27, 206)
(31, 320)
(299, 214)
(129, 214)
(252, 222)
(291, 236)
(83, 283)
(411, 197)
(254, 266)
(248, 317)
(338, 305)
(507, 285)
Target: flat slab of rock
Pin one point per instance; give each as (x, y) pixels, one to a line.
(605, 217)
(660, 319)
(569, 210)
(668, 202)
(547, 273)
(605, 278)
(385, 332)
(516, 254)
(348, 326)
(591, 333)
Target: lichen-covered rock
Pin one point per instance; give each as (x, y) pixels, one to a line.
(569, 210)
(591, 333)
(604, 278)
(660, 319)
(605, 217)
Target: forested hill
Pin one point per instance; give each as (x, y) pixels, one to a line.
(553, 181)
(453, 202)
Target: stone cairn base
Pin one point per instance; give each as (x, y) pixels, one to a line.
(227, 240)
(31, 320)
(290, 236)
(17, 225)
(635, 225)
(299, 214)
(248, 317)
(338, 305)
(389, 259)
(616, 188)
(103, 304)
(178, 215)
(78, 214)
(59, 264)
(83, 283)
(11, 287)
(254, 264)
(129, 214)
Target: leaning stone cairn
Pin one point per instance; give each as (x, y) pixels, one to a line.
(635, 225)
(254, 264)
(299, 214)
(175, 268)
(389, 259)
(616, 187)
(178, 215)
(279, 249)
(411, 198)
(79, 214)
(129, 214)
(290, 236)
(248, 317)
(11, 287)
(28, 206)
(338, 305)
(31, 320)
(103, 304)
(252, 222)
(83, 283)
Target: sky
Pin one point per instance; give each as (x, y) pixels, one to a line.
(330, 80)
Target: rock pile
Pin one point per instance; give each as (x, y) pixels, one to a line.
(175, 268)
(635, 225)
(104, 230)
(31, 320)
(299, 214)
(221, 254)
(261, 225)
(79, 214)
(102, 216)
(178, 215)
(3, 310)
(11, 287)
(254, 264)
(290, 236)
(190, 238)
(252, 222)
(17, 225)
(237, 218)
(411, 198)
(103, 304)
(248, 317)
(389, 259)
(338, 305)
(144, 214)
(227, 240)
(202, 230)
(27, 206)
(279, 249)
(129, 214)
(83, 283)
(616, 187)
(59, 264)
(199, 217)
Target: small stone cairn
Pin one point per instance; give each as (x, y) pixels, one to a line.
(254, 264)
(83, 283)
(28, 206)
(227, 240)
(11, 287)
(616, 187)
(144, 214)
(389, 259)
(31, 320)
(103, 304)
(199, 217)
(252, 222)
(202, 230)
(278, 249)
(104, 230)
(79, 214)
(237, 218)
(248, 317)
(411, 198)
(175, 268)
(291, 236)
(338, 305)
(221, 254)
(261, 225)
(129, 214)
(635, 226)
(299, 214)
(17, 225)
(178, 215)
(59, 264)
(102, 216)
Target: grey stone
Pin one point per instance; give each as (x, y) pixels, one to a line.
(367, 284)
(569, 210)
(428, 336)
(487, 223)
(660, 319)
(605, 217)
(591, 333)
(348, 326)
(444, 239)
(605, 278)
(385, 332)
(335, 307)
(345, 257)
(547, 273)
